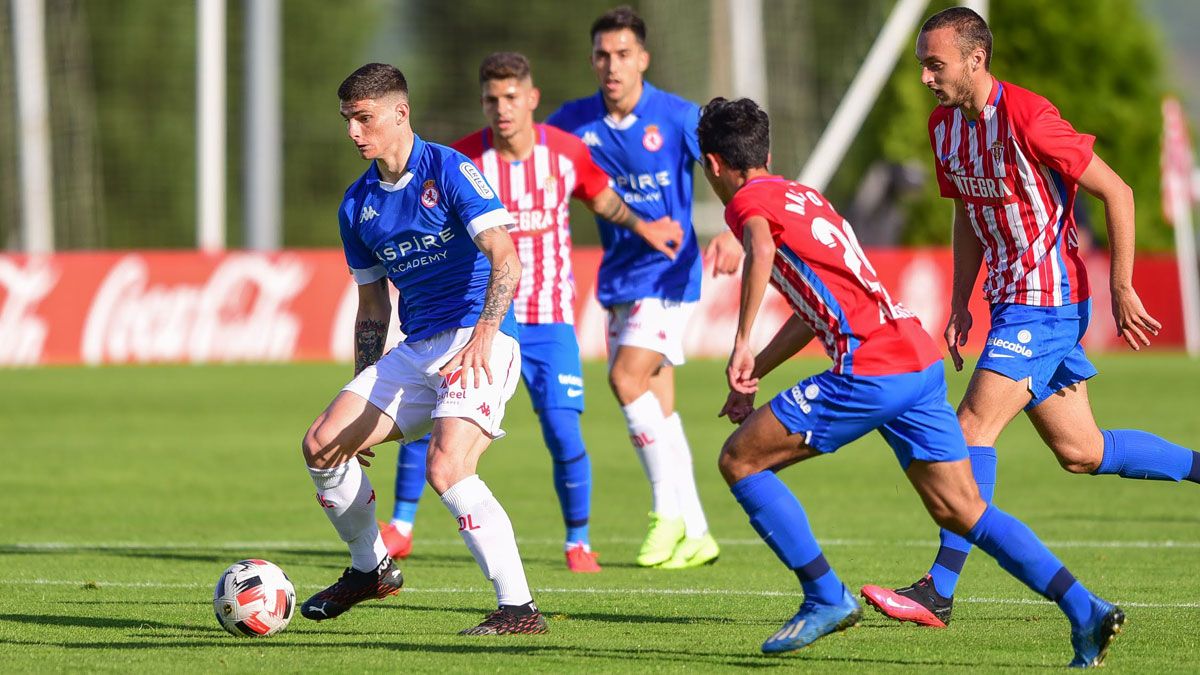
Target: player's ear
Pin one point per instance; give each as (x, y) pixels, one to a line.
(712, 163)
(535, 97)
(643, 60)
(401, 110)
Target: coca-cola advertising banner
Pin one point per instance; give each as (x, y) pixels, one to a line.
(186, 307)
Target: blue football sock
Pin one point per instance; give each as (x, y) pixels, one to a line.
(952, 554)
(572, 469)
(1137, 454)
(410, 478)
(779, 519)
(1019, 551)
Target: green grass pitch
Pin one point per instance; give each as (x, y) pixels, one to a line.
(128, 490)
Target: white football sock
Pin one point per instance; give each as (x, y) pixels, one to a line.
(685, 479)
(488, 532)
(404, 527)
(648, 433)
(349, 501)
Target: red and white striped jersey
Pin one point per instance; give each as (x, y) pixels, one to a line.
(1016, 170)
(537, 192)
(824, 275)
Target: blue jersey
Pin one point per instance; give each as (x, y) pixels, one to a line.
(419, 233)
(649, 156)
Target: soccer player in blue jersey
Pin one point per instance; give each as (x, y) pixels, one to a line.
(887, 376)
(425, 219)
(1013, 167)
(645, 139)
(537, 170)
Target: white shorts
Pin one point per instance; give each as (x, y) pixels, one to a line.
(406, 386)
(650, 323)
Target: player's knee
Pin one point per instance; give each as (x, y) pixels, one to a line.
(733, 462)
(1077, 458)
(313, 446)
(627, 385)
(442, 470)
(973, 425)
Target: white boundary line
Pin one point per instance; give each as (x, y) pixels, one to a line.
(326, 544)
(582, 590)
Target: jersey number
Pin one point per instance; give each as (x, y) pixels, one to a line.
(852, 255)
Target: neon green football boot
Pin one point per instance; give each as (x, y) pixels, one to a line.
(693, 552)
(660, 541)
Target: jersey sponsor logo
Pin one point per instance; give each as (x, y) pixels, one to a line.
(426, 246)
(1007, 345)
(450, 379)
(533, 221)
(570, 380)
(642, 181)
(429, 194)
(803, 397)
(477, 180)
(590, 139)
(368, 213)
(652, 140)
(984, 188)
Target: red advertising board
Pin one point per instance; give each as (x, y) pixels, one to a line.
(186, 307)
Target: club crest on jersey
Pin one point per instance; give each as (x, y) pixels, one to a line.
(430, 194)
(652, 140)
(997, 151)
(550, 186)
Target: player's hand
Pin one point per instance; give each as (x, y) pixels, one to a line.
(365, 452)
(663, 235)
(739, 372)
(957, 329)
(473, 359)
(1134, 323)
(725, 252)
(737, 407)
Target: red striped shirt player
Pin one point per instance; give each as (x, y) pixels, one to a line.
(537, 169)
(887, 376)
(1013, 167)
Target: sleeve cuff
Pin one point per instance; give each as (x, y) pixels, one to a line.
(496, 218)
(369, 275)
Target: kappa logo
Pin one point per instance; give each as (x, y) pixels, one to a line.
(368, 213)
(430, 194)
(652, 140)
(485, 409)
(590, 139)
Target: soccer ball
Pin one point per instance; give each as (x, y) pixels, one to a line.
(255, 598)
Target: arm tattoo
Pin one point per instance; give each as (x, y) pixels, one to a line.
(612, 208)
(501, 287)
(369, 335)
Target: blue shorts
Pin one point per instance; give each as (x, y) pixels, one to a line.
(1040, 346)
(910, 411)
(550, 365)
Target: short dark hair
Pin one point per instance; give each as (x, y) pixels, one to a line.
(373, 81)
(737, 131)
(620, 18)
(971, 30)
(504, 66)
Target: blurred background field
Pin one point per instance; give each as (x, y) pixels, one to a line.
(122, 87)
